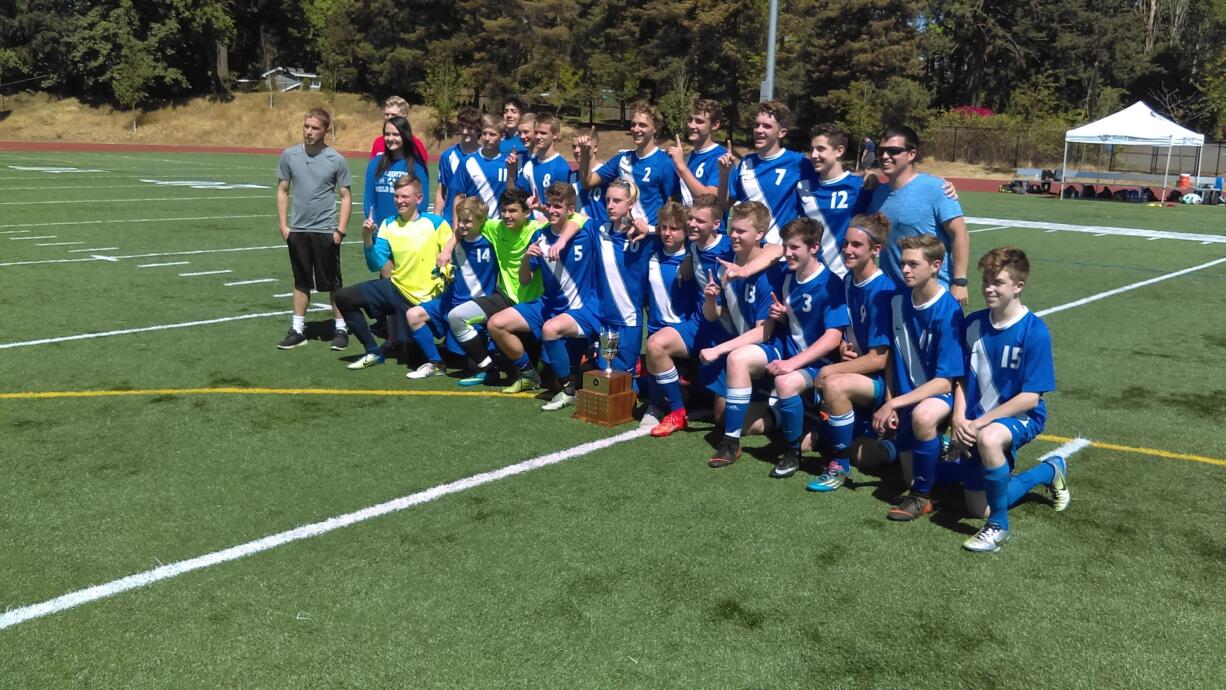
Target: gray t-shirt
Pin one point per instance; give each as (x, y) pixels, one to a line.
(313, 182)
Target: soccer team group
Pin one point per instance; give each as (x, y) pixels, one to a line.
(793, 296)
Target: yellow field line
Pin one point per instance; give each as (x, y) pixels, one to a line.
(1140, 451)
(50, 395)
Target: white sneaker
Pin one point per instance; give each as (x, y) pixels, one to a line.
(652, 417)
(987, 540)
(562, 399)
(369, 359)
(1060, 494)
(426, 370)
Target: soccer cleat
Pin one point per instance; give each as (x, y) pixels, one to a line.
(476, 379)
(1060, 494)
(912, 506)
(340, 339)
(369, 359)
(651, 418)
(788, 463)
(726, 453)
(292, 340)
(427, 370)
(673, 421)
(562, 399)
(831, 480)
(528, 381)
(987, 540)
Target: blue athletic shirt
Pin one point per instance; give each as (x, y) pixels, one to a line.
(654, 175)
(672, 300)
(570, 282)
(832, 202)
(536, 175)
(706, 259)
(918, 208)
(745, 301)
(511, 142)
(814, 305)
(927, 340)
(485, 178)
(474, 272)
(868, 306)
(1006, 361)
(704, 165)
(623, 276)
(591, 200)
(379, 194)
(448, 172)
(772, 181)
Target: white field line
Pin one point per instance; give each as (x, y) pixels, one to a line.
(161, 327)
(284, 294)
(56, 244)
(1098, 230)
(12, 232)
(998, 227)
(205, 273)
(250, 282)
(150, 255)
(272, 541)
(1067, 450)
(103, 201)
(133, 220)
(168, 263)
(102, 186)
(39, 237)
(95, 249)
(1126, 288)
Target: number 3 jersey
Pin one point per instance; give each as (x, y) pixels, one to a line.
(927, 340)
(1006, 360)
(814, 305)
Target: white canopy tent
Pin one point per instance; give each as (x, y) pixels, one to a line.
(1136, 125)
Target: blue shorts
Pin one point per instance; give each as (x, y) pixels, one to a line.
(762, 388)
(904, 439)
(697, 333)
(864, 415)
(773, 353)
(1023, 431)
(629, 346)
(534, 314)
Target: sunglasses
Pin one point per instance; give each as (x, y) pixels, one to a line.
(893, 151)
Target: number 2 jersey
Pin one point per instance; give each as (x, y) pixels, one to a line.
(653, 174)
(1006, 360)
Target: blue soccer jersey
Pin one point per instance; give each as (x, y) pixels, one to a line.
(927, 340)
(474, 271)
(771, 181)
(868, 306)
(814, 304)
(485, 178)
(448, 171)
(511, 142)
(1005, 361)
(654, 175)
(831, 202)
(570, 282)
(744, 301)
(704, 165)
(536, 175)
(623, 278)
(378, 196)
(590, 200)
(671, 300)
(705, 260)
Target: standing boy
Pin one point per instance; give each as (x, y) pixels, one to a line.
(698, 172)
(484, 174)
(468, 120)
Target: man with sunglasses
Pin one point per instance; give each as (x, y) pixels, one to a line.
(916, 205)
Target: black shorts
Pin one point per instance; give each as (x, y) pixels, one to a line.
(492, 304)
(316, 261)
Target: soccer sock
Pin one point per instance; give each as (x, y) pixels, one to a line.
(842, 428)
(559, 357)
(522, 363)
(996, 486)
(735, 404)
(361, 330)
(669, 384)
(425, 340)
(791, 419)
(924, 458)
(340, 324)
(298, 323)
(1019, 486)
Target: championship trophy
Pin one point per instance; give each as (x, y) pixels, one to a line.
(606, 397)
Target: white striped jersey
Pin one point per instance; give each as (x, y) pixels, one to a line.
(654, 175)
(623, 277)
(704, 165)
(570, 282)
(927, 340)
(448, 170)
(484, 177)
(706, 260)
(771, 181)
(474, 272)
(671, 300)
(832, 202)
(868, 305)
(744, 301)
(814, 304)
(536, 175)
(1006, 360)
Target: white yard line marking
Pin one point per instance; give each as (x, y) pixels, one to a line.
(284, 294)
(56, 244)
(103, 201)
(205, 273)
(12, 232)
(1126, 288)
(998, 227)
(250, 282)
(168, 263)
(95, 249)
(40, 237)
(1099, 230)
(150, 255)
(162, 327)
(133, 220)
(165, 572)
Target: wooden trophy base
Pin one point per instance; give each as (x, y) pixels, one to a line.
(605, 398)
